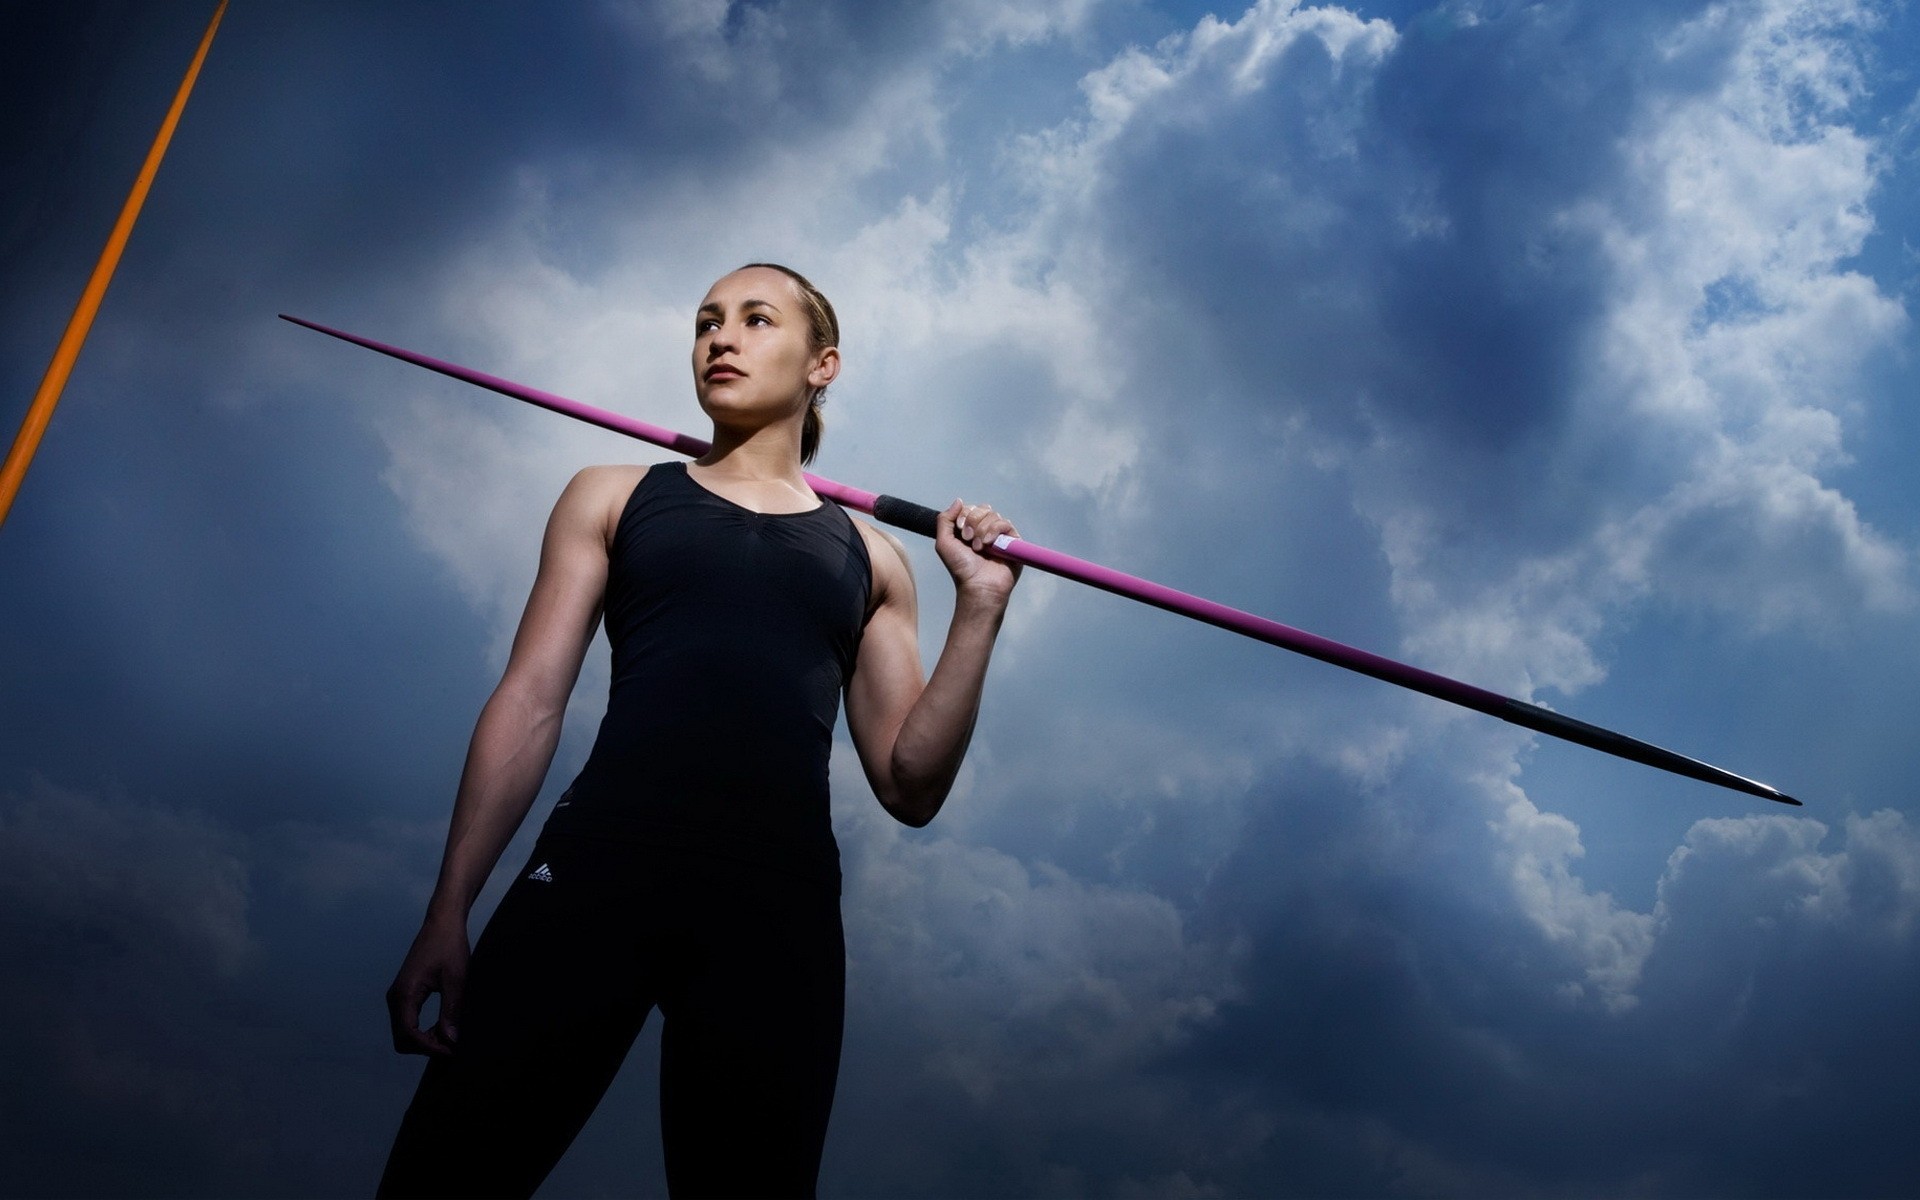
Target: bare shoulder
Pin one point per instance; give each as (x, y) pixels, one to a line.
(892, 572)
(596, 496)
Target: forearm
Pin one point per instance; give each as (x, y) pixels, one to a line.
(513, 745)
(933, 737)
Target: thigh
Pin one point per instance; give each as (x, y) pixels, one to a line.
(750, 1050)
(555, 995)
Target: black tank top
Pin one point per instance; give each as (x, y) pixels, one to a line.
(733, 633)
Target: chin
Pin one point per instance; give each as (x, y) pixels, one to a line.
(740, 410)
(726, 408)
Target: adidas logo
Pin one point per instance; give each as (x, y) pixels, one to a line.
(540, 874)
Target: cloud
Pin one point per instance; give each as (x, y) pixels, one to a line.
(986, 992)
(1019, 974)
(1756, 886)
(1610, 944)
(191, 1005)
(1531, 355)
(1507, 321)
(146, 882)
(1778, 965)
(1398, 1028)
(1588, 369)
(1739, 333)
(118, 919)
(323, 866)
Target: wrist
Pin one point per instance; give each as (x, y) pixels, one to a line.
(445, 914)
(981, 599)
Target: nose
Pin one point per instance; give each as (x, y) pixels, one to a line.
(721, 340)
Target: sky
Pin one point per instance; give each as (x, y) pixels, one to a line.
(1565, 348)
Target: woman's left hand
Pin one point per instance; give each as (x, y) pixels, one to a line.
(963, 532)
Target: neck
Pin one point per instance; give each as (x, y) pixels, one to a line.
(771, 452)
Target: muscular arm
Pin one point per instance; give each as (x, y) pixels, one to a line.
(513, 745)
(912, 732)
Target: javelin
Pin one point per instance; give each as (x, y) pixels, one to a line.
(921, 520)
(40, 409)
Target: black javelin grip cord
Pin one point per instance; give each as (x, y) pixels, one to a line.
(922, 520)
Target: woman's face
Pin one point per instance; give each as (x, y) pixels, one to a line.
(752, 358)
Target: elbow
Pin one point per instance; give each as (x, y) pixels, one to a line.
(915, 817)
(913, 807)
(914, 786)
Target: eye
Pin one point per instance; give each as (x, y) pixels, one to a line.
(761, 318)
(703, 324)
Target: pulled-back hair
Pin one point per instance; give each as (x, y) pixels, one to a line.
(823, 330)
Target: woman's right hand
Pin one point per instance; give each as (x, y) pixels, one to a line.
(436, 963)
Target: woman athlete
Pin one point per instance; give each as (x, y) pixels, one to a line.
(691, 867)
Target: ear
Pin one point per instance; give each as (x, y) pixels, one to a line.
(826, 368)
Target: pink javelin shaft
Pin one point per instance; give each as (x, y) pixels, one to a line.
(921, 519)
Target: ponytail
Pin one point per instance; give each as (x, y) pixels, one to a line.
(811, 427)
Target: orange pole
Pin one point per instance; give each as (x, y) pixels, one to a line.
(41, 410)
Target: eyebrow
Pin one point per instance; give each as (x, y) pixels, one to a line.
(712, 307)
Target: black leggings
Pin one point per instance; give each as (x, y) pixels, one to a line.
(748, 968)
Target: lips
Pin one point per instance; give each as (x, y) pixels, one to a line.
(720, 372)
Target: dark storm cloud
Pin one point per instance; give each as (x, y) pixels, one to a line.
(1408, 1036)
(1329, 235)
(184, 984)
(1383, 250)
(120, 921)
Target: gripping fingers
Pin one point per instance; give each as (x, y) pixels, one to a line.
(978, 525)
(403, 1009)
(403, 1013)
